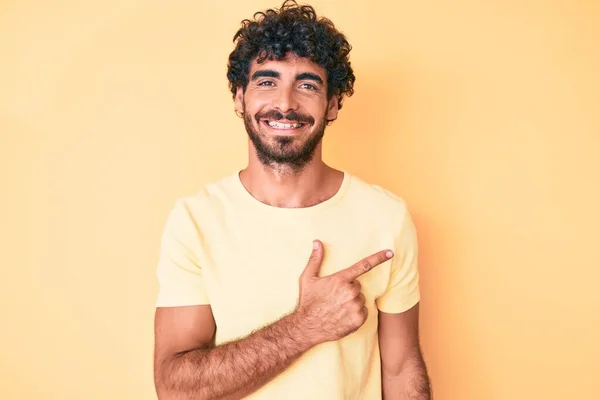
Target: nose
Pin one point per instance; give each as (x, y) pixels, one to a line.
(285, 100)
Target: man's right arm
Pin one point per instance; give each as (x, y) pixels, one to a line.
(187, 367)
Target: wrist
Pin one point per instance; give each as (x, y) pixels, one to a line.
(301, 331)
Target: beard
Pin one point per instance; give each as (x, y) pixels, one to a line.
(282, 151)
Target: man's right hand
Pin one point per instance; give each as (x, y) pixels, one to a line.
(332, 307)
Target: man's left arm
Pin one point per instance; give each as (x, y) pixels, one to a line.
(403, 370)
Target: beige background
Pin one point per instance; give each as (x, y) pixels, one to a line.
(483, 115)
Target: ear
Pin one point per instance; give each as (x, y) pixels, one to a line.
(239, 100)
(332, 109)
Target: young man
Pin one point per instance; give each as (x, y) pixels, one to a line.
(289, 279)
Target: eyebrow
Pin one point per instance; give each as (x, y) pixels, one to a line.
(265, 73)
(309, 76)
(269, 73)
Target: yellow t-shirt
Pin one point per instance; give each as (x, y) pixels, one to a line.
(223, 247)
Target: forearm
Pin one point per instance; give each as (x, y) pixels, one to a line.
(235, 369)
(411, 382)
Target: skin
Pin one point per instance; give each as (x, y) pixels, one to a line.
(285, 169)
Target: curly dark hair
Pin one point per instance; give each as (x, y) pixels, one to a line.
(292, 28)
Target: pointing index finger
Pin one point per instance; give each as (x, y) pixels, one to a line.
(365, 265)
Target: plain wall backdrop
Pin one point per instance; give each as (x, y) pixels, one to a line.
(483, 115)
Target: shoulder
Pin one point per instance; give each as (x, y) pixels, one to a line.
(206, 201)
(380, 201)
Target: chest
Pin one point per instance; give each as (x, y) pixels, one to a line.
(252, 270)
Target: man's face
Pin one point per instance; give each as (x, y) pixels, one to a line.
(286, 109)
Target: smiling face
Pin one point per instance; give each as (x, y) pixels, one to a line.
(286, 109)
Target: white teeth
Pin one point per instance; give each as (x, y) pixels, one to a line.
(278, 125)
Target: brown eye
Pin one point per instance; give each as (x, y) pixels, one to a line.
(308, 86)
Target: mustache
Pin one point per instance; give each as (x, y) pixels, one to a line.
(290, 116)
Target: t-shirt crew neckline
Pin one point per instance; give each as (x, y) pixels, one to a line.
(243, 195)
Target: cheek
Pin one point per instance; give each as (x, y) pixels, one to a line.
(256, 104)
(315, 105)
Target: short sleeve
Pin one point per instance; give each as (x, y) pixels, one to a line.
(402, 292)
(180, 279)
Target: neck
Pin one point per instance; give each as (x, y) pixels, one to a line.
(286, 187)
